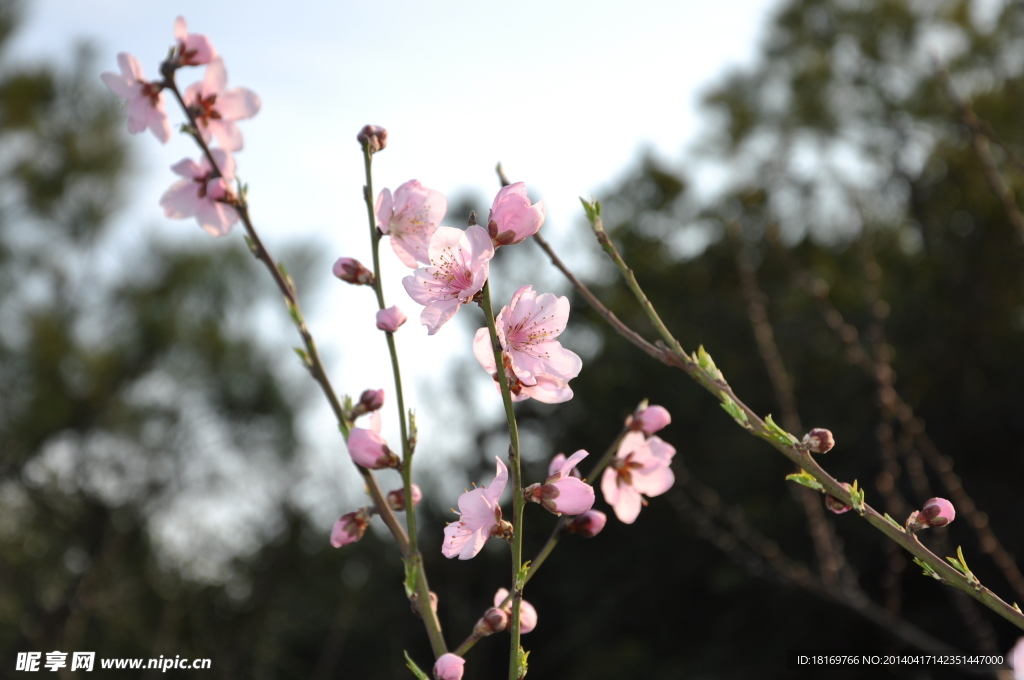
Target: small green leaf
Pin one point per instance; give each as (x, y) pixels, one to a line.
(804, 478)
(893, 522)
(956, 564)
(1017, 608)
(252, 244)
(733, 409)
(857, 498)
(420, 675)
(928, 569)
(303, 357)
(521, 575)
(523, 663)
(778, 434)
(705, 361)
(410, 578)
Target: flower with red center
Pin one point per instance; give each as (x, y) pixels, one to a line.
(410, 218)
(527, 614)
(459, 264)
(561, 493)
(641, 468)
(480, 519)
(201, 195)
(194, 49)
(512, 218)
(143, 102)
(351, 527)
(216, 109)
(535, 363)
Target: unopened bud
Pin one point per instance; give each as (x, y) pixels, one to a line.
(352, 271)
(374, 137)
(587, 525)
(819, 440)
(369, 400)
(390, 319)
(937, 512)
(649, 419)
(494, 621)
(834, 504)
(396, 498)
(351, 527)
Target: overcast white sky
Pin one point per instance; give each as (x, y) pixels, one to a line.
(563, 93)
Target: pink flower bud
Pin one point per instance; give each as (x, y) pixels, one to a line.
(587, 525)
(352, 271)
(449, 667)
(390, 319)
(527, 614)
(819, 440)
(650, 419)
(369, 449)
(512, 218)
(350, 528)
(194, 49)
(937, 512)
(562, 493)
(396, 498)
(494, 621)
(835, 505)
(376, 138)
(369, 400)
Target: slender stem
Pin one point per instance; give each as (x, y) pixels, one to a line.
(414, 559)
(287, 288)
(518, 503)
(556, 535)
(712, 380)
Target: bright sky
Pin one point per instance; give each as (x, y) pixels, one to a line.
(565, 94)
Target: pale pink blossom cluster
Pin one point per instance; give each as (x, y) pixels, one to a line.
(642, 466)
(205, 190)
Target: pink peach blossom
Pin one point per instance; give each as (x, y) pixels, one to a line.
(587, 525)
(561, 493)
(369, 449)
(556, 464)
(449, 667)
(512, 218)
(651, 419)
(480, 518)
(410, 218)
(459, 263)
(396, 498)
(143, 101)
(390, 319)
(641, 468)
(194, 49)
(535, 363)
(201, 195)
(350, 528)
(527, 614)
(216, 109)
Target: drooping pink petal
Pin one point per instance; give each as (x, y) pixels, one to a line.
(566, 466)
(194, 49)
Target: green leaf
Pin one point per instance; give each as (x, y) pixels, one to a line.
(303, 357)
(956, 564)
(778, 434)
(928, 569)
(523, 663)
(705, 361)
(733, 409)
(521, 575)
(893, 522)
(410, 578)
(804, 478)
(420, 675)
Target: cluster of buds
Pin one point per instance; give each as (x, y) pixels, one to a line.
(936, 512)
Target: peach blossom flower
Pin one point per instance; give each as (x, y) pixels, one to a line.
(512, 218)
(194, 49)
(459, 263)
(410, 218)
(216, 109)
(641, 468)
(200, 194)
(143, 101)
(480, 518)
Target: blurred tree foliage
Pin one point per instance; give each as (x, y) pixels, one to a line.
(120, 379)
